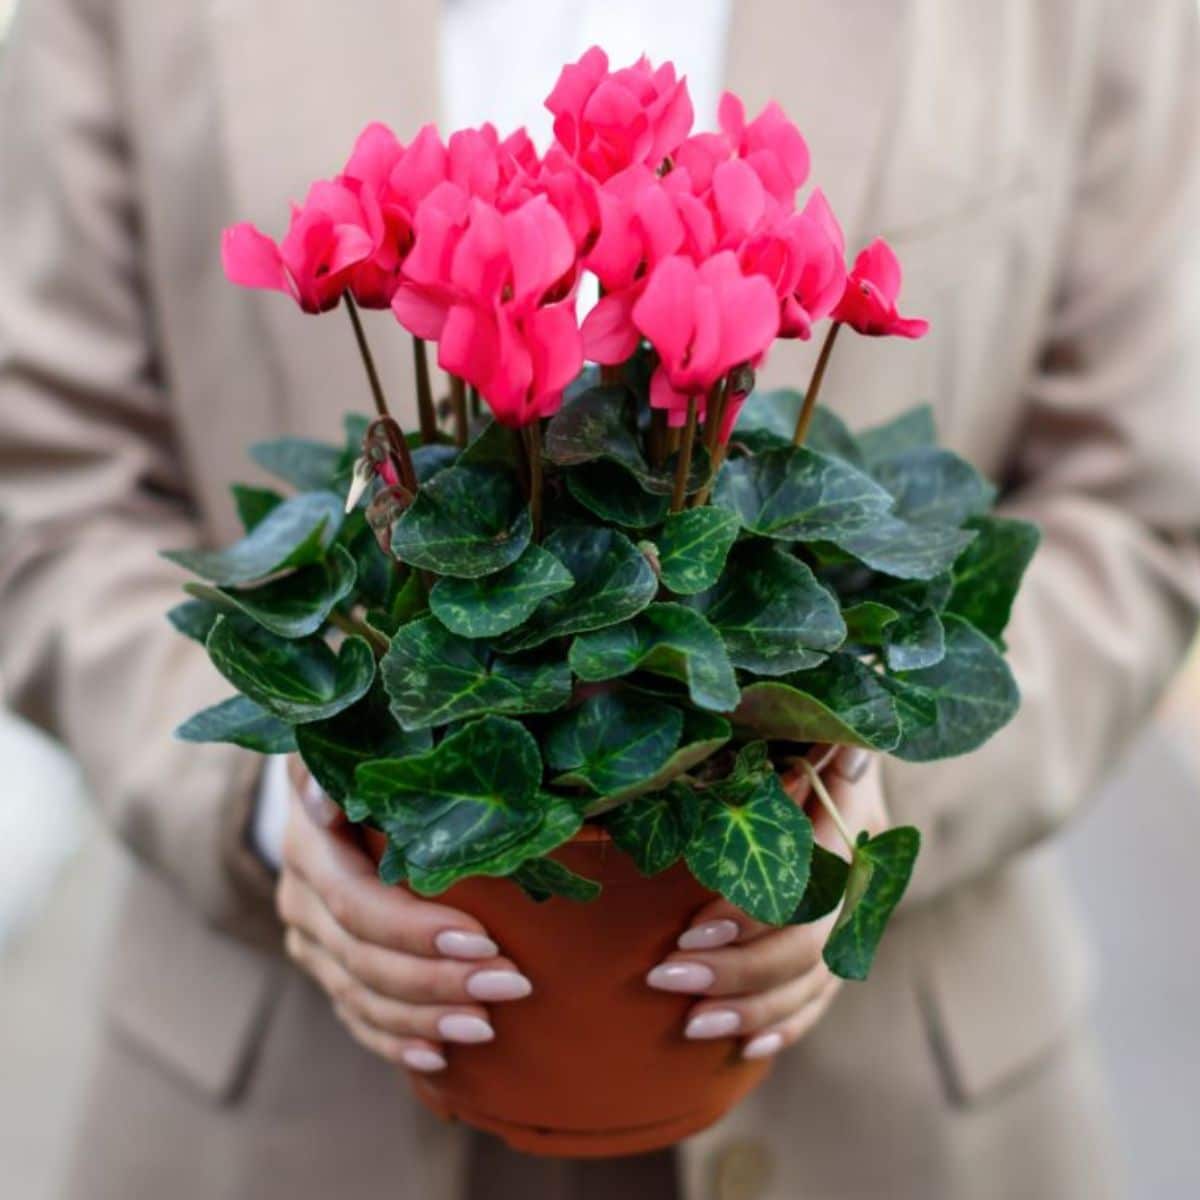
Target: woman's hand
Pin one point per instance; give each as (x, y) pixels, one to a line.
(769, 986)
(404, 975)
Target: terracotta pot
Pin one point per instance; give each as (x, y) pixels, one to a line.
(594, 1064)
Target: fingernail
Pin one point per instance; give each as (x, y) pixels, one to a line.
(764, 1046)
(458, 943)
(420, 1059)
(498, 985)
(852, 764)
(321, 810)
(464, 1027)
(720, 1022)
(709, 935)
(681, 977)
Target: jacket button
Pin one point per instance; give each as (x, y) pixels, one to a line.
(743, 1170)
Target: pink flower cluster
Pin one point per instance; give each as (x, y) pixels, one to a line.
(479, 243)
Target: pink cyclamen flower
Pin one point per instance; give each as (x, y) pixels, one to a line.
(702, 321)
(770, 144)
(610, 120)
(868, 303)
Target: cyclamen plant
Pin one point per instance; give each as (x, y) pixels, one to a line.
(629, 593)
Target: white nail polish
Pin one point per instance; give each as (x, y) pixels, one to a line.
(459, 943)
(763, 1046)
(709, 936)
(418, 1058)
(720, 1022)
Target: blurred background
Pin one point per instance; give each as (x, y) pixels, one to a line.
(1130, 858)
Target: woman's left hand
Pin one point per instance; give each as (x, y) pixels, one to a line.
(766, 985)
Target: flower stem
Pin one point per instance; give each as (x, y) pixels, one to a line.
(458, 404)
(822, 794)
(356, 628)
(476, 405)
(532, 434)
(814, 386)
(684, 466)
(657, 437)
(425, 409)
(368, 359)
(715, 414)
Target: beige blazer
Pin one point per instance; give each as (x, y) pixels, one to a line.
(1035, 163)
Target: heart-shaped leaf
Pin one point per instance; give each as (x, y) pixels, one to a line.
(933, 486)
(465, 522)
(911, 429)
(241, 722)
(826, 886)
(914, 640)
(867, 622)
(296, 533)
(293, 606)
(877, 879)
(900, 548)
(494, 604)
(655, 829)
(434, 676)
(613, 581)
(768, 421)
(298, 681)
(334, 749)
(753, 845)
(664, 639)
(773, 614)
(703, 735)
(543, 878)
(692, 547)
(612, 741)
(954, 706)
(306, 465)
(612, 494)
(495, 445)
(988, 573)
(842, 702)
(253, 503)
(194, 619)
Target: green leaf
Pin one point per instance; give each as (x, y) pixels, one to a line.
(465, 522)
(429, 460)
(334, 749)
(842, 702)
(703, 735)
(297, 604)
(487, 607)
(296, 533)
(773, 614)
(914, 641)
(664, 639)
(692, 548)
(867, 622)
(826, 886)
(612, 741)
(988, 572)
(753, 845)
(955, 706)
(194, 619)
(611, 493)
(470, 806)
(768, 421)
(254, 503)
(655, 829)
(543, 878)
(392, 867)
(243, 723)
(911, 429)
(877, 879)
(495, 445)
(900, 548)
(298, 681)
(796, 494)
(613, 581)
(434, 676)
(306, 465)
(933, 486)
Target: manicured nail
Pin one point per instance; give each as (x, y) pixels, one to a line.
(721, 1022)
(852, 764)
(464, 1027)
(764, 1046)
(709, 935)
(418, 1058)
(458, 943)
(498, 985)
(321, 810)
(681, 977)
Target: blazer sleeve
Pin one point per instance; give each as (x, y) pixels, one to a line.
(1106, 461)
(91, 481)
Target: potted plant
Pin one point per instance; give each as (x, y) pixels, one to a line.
(551, 650)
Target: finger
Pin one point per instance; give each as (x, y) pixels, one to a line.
(767, 962)
(720, 923)
(770, 1042)
(321, 810)
(466, 1024)
(413, 979)
(413, 1053)
(755, 1013)
(342, 875)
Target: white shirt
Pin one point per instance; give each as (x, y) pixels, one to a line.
(499, 60)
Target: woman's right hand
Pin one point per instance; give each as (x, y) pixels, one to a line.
(404, 975)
